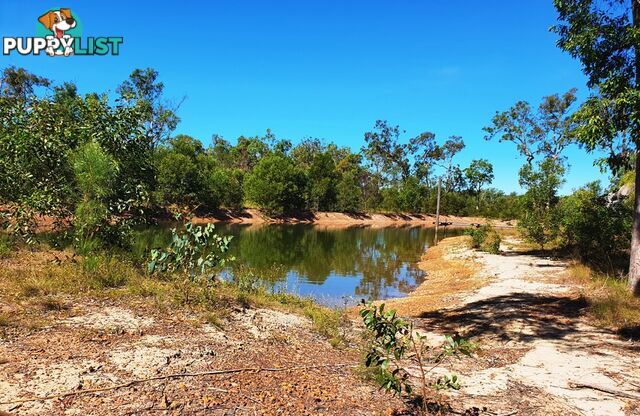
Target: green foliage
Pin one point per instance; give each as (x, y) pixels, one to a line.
(540, 219)
(393, 344)
(485, 238)
(544, 132)
(597, 229)
(40, 132)
(349, 193)
(196, 252)
(322, 180)
(95, 172)
(605, 37)
(447, 382)
(42, 129)
(276, 185)
(478, 174)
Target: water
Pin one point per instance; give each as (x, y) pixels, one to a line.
(334, 266)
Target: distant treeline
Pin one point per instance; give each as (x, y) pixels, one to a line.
(60, 149)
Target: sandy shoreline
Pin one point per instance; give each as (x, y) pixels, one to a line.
(340, 219)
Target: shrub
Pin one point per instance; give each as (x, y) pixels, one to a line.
(6, 245)
(595, 228)
(485, 238)
(193, 252)
(349, 193)
(393, 343)
(95, 172)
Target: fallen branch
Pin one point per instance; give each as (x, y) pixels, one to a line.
(171, 376)
(605, 390)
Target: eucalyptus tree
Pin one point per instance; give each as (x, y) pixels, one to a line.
(385, 154)
(605, 37)
(143, 90)
(478, 174)
(446, 153)
(544, 132)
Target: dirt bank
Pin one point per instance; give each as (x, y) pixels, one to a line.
(253, 216)
(540, 353)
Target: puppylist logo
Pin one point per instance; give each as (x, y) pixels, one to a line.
(59, 33)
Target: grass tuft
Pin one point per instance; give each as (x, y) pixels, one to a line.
(609, 299)
(103, 276)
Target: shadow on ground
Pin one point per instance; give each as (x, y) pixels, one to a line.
(519, 316)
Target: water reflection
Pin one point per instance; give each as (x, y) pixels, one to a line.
(328, 264)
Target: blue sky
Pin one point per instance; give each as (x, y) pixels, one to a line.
(328, 69)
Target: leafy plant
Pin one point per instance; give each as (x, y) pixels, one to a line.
(394, 344)
(194, 252)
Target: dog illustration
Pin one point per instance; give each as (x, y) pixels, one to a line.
(58, 22)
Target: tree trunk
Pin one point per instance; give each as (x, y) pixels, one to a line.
(435, 237)
(634, 260)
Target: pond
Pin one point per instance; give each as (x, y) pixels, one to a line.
(334, 266)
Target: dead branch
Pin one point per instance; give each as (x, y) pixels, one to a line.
(605, 390)
(171, 376)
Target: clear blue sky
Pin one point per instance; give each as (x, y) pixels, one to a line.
(328, 69)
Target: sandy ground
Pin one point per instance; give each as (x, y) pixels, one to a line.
(95, 345)
(536, 342)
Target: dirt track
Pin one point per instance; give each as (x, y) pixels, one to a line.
(537, 345)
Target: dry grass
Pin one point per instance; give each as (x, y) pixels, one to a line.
(609, 299)
(446, 279)
(32, 287)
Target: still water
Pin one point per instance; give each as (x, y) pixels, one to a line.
(334, 266)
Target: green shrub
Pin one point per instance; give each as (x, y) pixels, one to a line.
(194, 253)
(596, 229)
(540, 219)
(95, 172)
(393, 344)
(485, 238)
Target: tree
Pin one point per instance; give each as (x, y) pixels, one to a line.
(597, 228)
(322, 178)
(424, 149)
(540, 218)
(605, 37)
(385, 154)
(349, 189)
(478, 174)
(349, 193)
(445, 154)
(276, 185)
(142, 90)
(544, 132)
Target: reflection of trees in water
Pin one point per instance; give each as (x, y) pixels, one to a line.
(383, 258)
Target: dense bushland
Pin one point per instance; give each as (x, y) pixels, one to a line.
(117, 151)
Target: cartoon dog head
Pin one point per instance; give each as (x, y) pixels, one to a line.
(58, 21)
